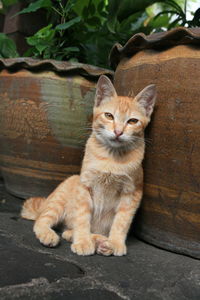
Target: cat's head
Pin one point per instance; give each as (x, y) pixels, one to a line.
(119, 122)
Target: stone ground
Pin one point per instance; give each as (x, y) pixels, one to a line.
(30, 271)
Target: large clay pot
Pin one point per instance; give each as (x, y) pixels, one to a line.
(170, 213)
(45, 111)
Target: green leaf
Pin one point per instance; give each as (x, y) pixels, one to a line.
(160, 21)
(100, 7)
(175, 5)
(70, 4)
(8, 47)
(28, 52)
(46, 33)
(121, 9)
(85, 12)
(111, 24)
(66, 25)
(91, 9)
(41, 48)
(134, 22)
(42, 40)
(79, 6)
(172, 12)
(34, 6)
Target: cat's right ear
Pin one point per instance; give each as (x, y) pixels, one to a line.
(146, 98)
(104, 90)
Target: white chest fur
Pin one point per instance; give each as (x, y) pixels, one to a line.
(106, 190)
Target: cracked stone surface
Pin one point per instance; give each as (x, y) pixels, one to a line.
(30, 271)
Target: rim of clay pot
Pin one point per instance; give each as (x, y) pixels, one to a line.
(161, 40)
(53, 65)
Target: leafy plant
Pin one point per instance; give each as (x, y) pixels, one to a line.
(85, 30)
(45, 44)
(173, 14)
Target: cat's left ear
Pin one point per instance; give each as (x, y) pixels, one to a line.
(147, 98)
(104, 90)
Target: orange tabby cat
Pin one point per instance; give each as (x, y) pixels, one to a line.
(98, 206)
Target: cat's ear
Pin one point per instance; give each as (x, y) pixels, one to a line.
(104, 90)
(146, 98)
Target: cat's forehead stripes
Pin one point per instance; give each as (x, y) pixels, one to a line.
(125, 108)
(124, 104)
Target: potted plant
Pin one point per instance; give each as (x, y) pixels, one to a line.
(169, 215)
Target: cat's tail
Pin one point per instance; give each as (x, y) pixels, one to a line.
(32, 207)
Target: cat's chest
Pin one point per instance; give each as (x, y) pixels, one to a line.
(106, 188)
(105, 193)
(108, 182)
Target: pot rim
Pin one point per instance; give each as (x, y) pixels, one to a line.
(160, 40)
(53, 65)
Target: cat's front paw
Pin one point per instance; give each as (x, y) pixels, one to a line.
(111, 247)
(84, 247)
(48, 238)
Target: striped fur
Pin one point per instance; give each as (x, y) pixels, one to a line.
(97, 207)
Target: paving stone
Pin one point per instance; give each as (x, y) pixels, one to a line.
(20, 265)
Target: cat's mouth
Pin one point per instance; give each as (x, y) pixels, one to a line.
(111, 141)
(117, 141)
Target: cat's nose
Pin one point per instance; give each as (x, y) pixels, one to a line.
(118, 132)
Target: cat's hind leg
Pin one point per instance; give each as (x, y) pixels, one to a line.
(36, 208)
(43, 228)
(52, 214)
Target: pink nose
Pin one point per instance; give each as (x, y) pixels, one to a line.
(118, 132)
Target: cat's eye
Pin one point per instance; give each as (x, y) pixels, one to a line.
(109, 116)
(132, 121)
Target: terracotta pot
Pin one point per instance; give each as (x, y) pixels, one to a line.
(45, 111)
(170, 213)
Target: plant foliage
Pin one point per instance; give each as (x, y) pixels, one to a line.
(173, 15)
(85, 30)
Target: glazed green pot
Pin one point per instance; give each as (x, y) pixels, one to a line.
(45, 114)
